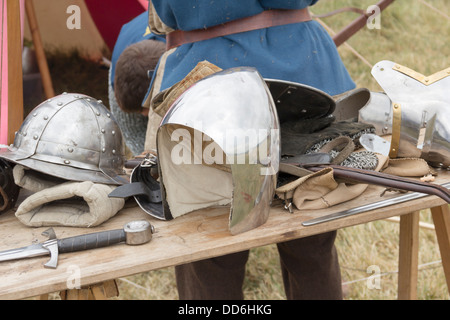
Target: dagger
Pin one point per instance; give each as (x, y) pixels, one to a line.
(133, 233)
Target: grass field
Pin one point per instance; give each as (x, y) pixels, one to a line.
(414, 33)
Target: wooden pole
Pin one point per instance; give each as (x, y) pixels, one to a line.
(15, 84)
(39, 48)
(357, 24)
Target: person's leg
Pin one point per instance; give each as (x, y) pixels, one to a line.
(219, 278)
(310, 268)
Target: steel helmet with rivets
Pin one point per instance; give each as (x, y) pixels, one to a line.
(71, 136)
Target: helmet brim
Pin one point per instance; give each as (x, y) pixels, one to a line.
(64, 172)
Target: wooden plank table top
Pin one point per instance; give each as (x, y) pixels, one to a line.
(195, 236)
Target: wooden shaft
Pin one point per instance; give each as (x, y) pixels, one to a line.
(357, 24)
(39, 48)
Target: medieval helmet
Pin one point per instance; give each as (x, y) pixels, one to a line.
(414, 109)
(218, 144)
(71, 136)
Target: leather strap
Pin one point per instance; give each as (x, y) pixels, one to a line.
(294, 165)
(144, 188)
(134, 189)
(4, 200)
(343, 144)
(396, 130)
(147, 197)
(265, 19)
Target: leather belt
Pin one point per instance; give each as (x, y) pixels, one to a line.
(265, 19)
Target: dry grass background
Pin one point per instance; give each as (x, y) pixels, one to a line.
(414, 33)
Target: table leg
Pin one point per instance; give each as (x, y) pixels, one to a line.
(105, 290)
(99, 291)
(441, 218)
(408, 256)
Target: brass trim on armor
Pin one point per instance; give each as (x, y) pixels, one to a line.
(396, 130)
(426, 80)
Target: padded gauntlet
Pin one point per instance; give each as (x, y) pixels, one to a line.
(64, 203)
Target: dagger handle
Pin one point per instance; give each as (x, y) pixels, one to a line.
(91, 241)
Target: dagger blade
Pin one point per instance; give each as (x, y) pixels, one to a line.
(33, 250)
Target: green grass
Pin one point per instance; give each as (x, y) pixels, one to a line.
(411, 34)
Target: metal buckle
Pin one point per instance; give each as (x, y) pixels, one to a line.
(149, 161)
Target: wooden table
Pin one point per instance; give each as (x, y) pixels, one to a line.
(205, 234)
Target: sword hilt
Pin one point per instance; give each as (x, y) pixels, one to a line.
(91, 241)
(133, 233)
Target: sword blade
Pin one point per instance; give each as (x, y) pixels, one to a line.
(25, 252)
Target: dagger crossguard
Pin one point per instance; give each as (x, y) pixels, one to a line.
(133, 233)
(52, 246)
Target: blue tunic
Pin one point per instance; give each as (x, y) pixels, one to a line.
(132, 32)
(300, 52)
